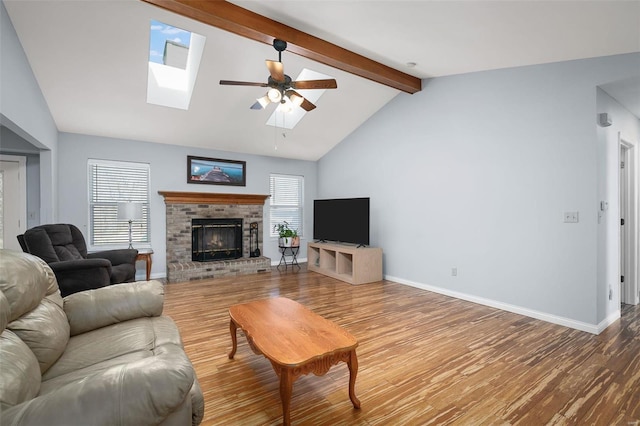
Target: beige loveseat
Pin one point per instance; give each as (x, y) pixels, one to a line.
(97, 357)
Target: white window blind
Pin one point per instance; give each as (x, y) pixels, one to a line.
(286, 202)
(110, 183)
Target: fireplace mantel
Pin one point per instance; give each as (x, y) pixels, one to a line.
(176, 197)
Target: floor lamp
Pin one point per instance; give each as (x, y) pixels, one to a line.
(129, 212)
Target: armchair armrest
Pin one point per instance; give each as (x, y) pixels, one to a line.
(82, 274)
(89, 310)
(116, 257)
(80, 264)
(141, 392)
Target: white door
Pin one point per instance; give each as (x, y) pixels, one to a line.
(629, 222)
(623, 228)
(13, 195)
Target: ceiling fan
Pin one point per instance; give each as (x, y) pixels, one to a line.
(282, 89)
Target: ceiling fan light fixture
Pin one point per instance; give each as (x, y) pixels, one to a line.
(264, 101)
(296, 99)
(274, 95)
(285, 106)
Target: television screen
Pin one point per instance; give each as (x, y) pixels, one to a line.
(344, 220)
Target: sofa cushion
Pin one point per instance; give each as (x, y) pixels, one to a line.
(51, 384)
(45, 330)
(60, 234)
(97, 346)
(23, 280)
(39, 244)
(36, 314)
(68, 252)
(20, 372)
(143, 392)
(60, 237)
(5, 311)
(92, 309)
(19, 367)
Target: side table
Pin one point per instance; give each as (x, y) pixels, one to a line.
(145, 254)
(293, 253)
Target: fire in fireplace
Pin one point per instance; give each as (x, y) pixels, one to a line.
(216, 239)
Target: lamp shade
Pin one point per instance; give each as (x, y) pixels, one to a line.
(129, 211)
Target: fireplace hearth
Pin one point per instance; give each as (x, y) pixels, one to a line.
(216, 239)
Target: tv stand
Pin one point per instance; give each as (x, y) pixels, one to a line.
(355, 265)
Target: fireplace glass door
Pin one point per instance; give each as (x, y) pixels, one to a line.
(216, 239)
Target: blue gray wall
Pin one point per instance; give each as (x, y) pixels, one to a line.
(24, 111)
(12, 144)
(169, 173)
(475, 172)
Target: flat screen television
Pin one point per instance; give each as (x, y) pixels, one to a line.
(344, 220)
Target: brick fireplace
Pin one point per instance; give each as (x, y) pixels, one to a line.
(182, 207)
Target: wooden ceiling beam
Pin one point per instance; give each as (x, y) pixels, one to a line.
(232, 18)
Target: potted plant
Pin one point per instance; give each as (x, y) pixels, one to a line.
(287, 237)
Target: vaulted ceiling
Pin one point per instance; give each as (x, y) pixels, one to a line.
(90, 60)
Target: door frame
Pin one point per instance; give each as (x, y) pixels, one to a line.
(630, 229)
(22, 202)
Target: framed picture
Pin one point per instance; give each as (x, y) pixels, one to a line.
(214, 171)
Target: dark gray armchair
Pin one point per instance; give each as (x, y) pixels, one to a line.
(63, 247)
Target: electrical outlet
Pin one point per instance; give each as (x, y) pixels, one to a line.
(454, 272)
(570, 217)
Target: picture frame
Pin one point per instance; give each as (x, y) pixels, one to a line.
(216, 171)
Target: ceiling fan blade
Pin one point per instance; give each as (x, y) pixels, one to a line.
(242, 83)
(315, 84)
(300, 100)
(307, 106)
(276, 69)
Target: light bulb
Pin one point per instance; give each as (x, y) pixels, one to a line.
(296, 99)
(284, 106)
(274, 95)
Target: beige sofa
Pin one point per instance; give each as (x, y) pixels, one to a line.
(97, 357)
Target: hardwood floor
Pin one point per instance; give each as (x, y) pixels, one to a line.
(423, 359)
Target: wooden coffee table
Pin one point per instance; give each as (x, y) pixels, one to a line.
(296, 341)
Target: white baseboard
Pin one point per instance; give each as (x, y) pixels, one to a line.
(543, 316)
(615, 316)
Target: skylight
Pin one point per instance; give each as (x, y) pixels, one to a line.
(289, 120)
(159, 35)
(174, 60)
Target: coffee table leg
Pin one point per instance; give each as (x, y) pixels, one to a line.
(286, 389)
(233, 327)
(353, 372)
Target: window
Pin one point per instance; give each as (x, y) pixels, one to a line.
(110, 183)
(286, 202)
(174, 61)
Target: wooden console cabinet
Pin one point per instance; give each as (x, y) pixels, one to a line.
(346, 263)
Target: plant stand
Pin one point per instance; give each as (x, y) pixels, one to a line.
(293, 254)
